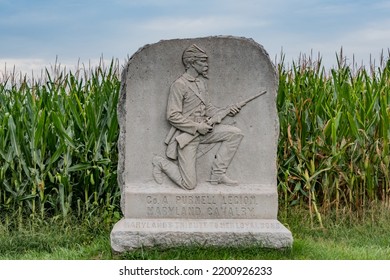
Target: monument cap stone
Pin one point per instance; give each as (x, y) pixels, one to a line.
(197, 146)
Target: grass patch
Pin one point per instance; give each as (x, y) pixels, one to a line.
(352, 236)
(56, 240)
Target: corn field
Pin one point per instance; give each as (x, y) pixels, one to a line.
(58, 135)
(58, 153)
(335, 130)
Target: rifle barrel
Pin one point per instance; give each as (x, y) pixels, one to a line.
(243, 103)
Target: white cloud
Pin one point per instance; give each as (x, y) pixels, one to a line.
(211, 24)
(375, 33)
(359, 46)
(15, 66)
(382, 4)
(369, 41)
(36, 68)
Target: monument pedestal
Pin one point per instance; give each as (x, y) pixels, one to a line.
(130, 234)
(166, 215)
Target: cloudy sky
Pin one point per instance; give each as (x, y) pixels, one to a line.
(34, 33)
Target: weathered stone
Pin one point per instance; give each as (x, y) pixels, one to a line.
(129, 234)
(236, 69)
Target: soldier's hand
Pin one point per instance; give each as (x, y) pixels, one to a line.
(204, 128)
(234, 109)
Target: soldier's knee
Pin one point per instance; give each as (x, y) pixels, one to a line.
(235, 131)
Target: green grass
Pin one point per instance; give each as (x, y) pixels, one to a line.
(349, 237)
(56, 240)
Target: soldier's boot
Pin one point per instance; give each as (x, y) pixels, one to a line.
(222, 179)
(163, 166)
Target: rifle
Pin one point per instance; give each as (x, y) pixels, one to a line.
(185, 138)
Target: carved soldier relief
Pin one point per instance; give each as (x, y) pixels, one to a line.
(194, 120)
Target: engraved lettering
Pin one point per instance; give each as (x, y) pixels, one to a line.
(150, 211)
(239, 199)
(165, 200)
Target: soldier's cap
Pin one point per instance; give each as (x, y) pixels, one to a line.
(194, 51)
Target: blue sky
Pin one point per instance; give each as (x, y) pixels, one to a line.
(34, 33)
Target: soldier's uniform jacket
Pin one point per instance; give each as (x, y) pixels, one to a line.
(188, 105)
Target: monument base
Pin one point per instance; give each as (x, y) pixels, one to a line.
(130, 234)
(167, 216)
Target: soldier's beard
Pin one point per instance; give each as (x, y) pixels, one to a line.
(205, 74)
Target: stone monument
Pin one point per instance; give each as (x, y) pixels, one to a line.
(197, 148)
